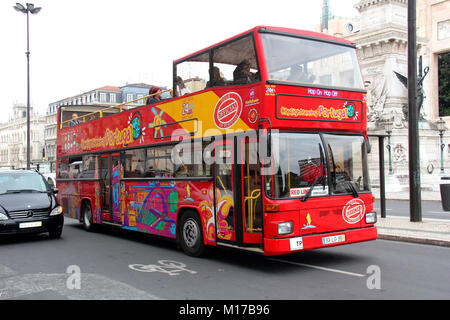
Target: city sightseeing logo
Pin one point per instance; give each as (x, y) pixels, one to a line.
(353, 211)
(228, 110)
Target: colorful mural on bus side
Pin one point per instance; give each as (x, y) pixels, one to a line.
(153, 206)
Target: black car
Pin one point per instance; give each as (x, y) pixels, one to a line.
(28, 204)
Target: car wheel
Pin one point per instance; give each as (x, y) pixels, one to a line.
(191, 234)
(56, 233)
(88, 225)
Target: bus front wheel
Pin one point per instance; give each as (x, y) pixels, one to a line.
(191, 234)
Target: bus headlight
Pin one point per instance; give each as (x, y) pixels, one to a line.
(371, 217)
(285, 227)
(56, 211)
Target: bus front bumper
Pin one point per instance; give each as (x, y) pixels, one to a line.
(315, 241)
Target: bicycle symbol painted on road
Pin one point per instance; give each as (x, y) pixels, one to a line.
(172, 268)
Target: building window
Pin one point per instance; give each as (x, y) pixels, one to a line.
(102, 97)
(444, 83)
(129, 97)
(112, 97)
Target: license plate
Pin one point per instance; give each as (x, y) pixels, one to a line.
(333, 239)
(296, 243)
(33, 224)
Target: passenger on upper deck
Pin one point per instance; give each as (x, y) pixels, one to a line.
(297, 74)
(242, 74)
(216, 80)
(181, 88)
(156, 95)
(74, 120)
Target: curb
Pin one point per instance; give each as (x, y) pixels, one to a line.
(435, 242)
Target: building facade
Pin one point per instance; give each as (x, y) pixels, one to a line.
(13, 139)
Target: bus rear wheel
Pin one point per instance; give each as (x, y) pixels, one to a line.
(191, 234)
(88, 225)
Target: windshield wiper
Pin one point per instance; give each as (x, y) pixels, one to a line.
(353, 189)
(308, 194)
(24, 190)
(319, 176)
(13, 191)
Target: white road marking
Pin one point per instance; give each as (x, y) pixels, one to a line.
(321, 268)
(172, 268)
(93, 286)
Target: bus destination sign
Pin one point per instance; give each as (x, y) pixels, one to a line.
(294, 107)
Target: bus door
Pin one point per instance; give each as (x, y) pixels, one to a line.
(111, 174)
(250, 184)
(225, 209)
(105, 169)
(116, 175)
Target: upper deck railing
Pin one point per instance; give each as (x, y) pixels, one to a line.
(122, 107)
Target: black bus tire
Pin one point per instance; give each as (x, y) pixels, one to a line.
(191, 234)
(88, 225)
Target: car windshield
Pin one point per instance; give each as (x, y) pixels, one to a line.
(21, 182)
(311, 62)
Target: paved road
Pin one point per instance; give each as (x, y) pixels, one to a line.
(122, 265)
(430, 209)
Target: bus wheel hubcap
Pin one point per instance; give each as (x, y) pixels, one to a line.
(190, 233)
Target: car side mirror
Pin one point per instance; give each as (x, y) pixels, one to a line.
(55, 190)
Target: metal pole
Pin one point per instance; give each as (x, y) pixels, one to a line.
(441, 134)
(414, 162)
(28, 91)
(390, 152)
(382, 180)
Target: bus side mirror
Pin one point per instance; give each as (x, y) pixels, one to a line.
(369, 147)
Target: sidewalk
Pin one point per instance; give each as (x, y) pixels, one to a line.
(429, 231)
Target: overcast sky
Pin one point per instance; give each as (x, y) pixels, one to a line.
(80, 45)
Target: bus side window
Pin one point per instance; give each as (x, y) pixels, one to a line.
(63, 168)
(235, 63)
(134, 163)
(195, 72)
(88, 166)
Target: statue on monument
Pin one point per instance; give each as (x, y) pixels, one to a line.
(420, 94)
(376, 98)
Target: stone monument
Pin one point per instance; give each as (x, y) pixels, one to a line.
(382, 49)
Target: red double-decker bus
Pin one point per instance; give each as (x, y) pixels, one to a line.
(262, 146)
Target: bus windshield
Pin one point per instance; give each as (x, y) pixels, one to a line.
(312, 62)
(300, 163)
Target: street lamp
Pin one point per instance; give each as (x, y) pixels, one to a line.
(388, 127)
(28, 9)
(441, 128)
